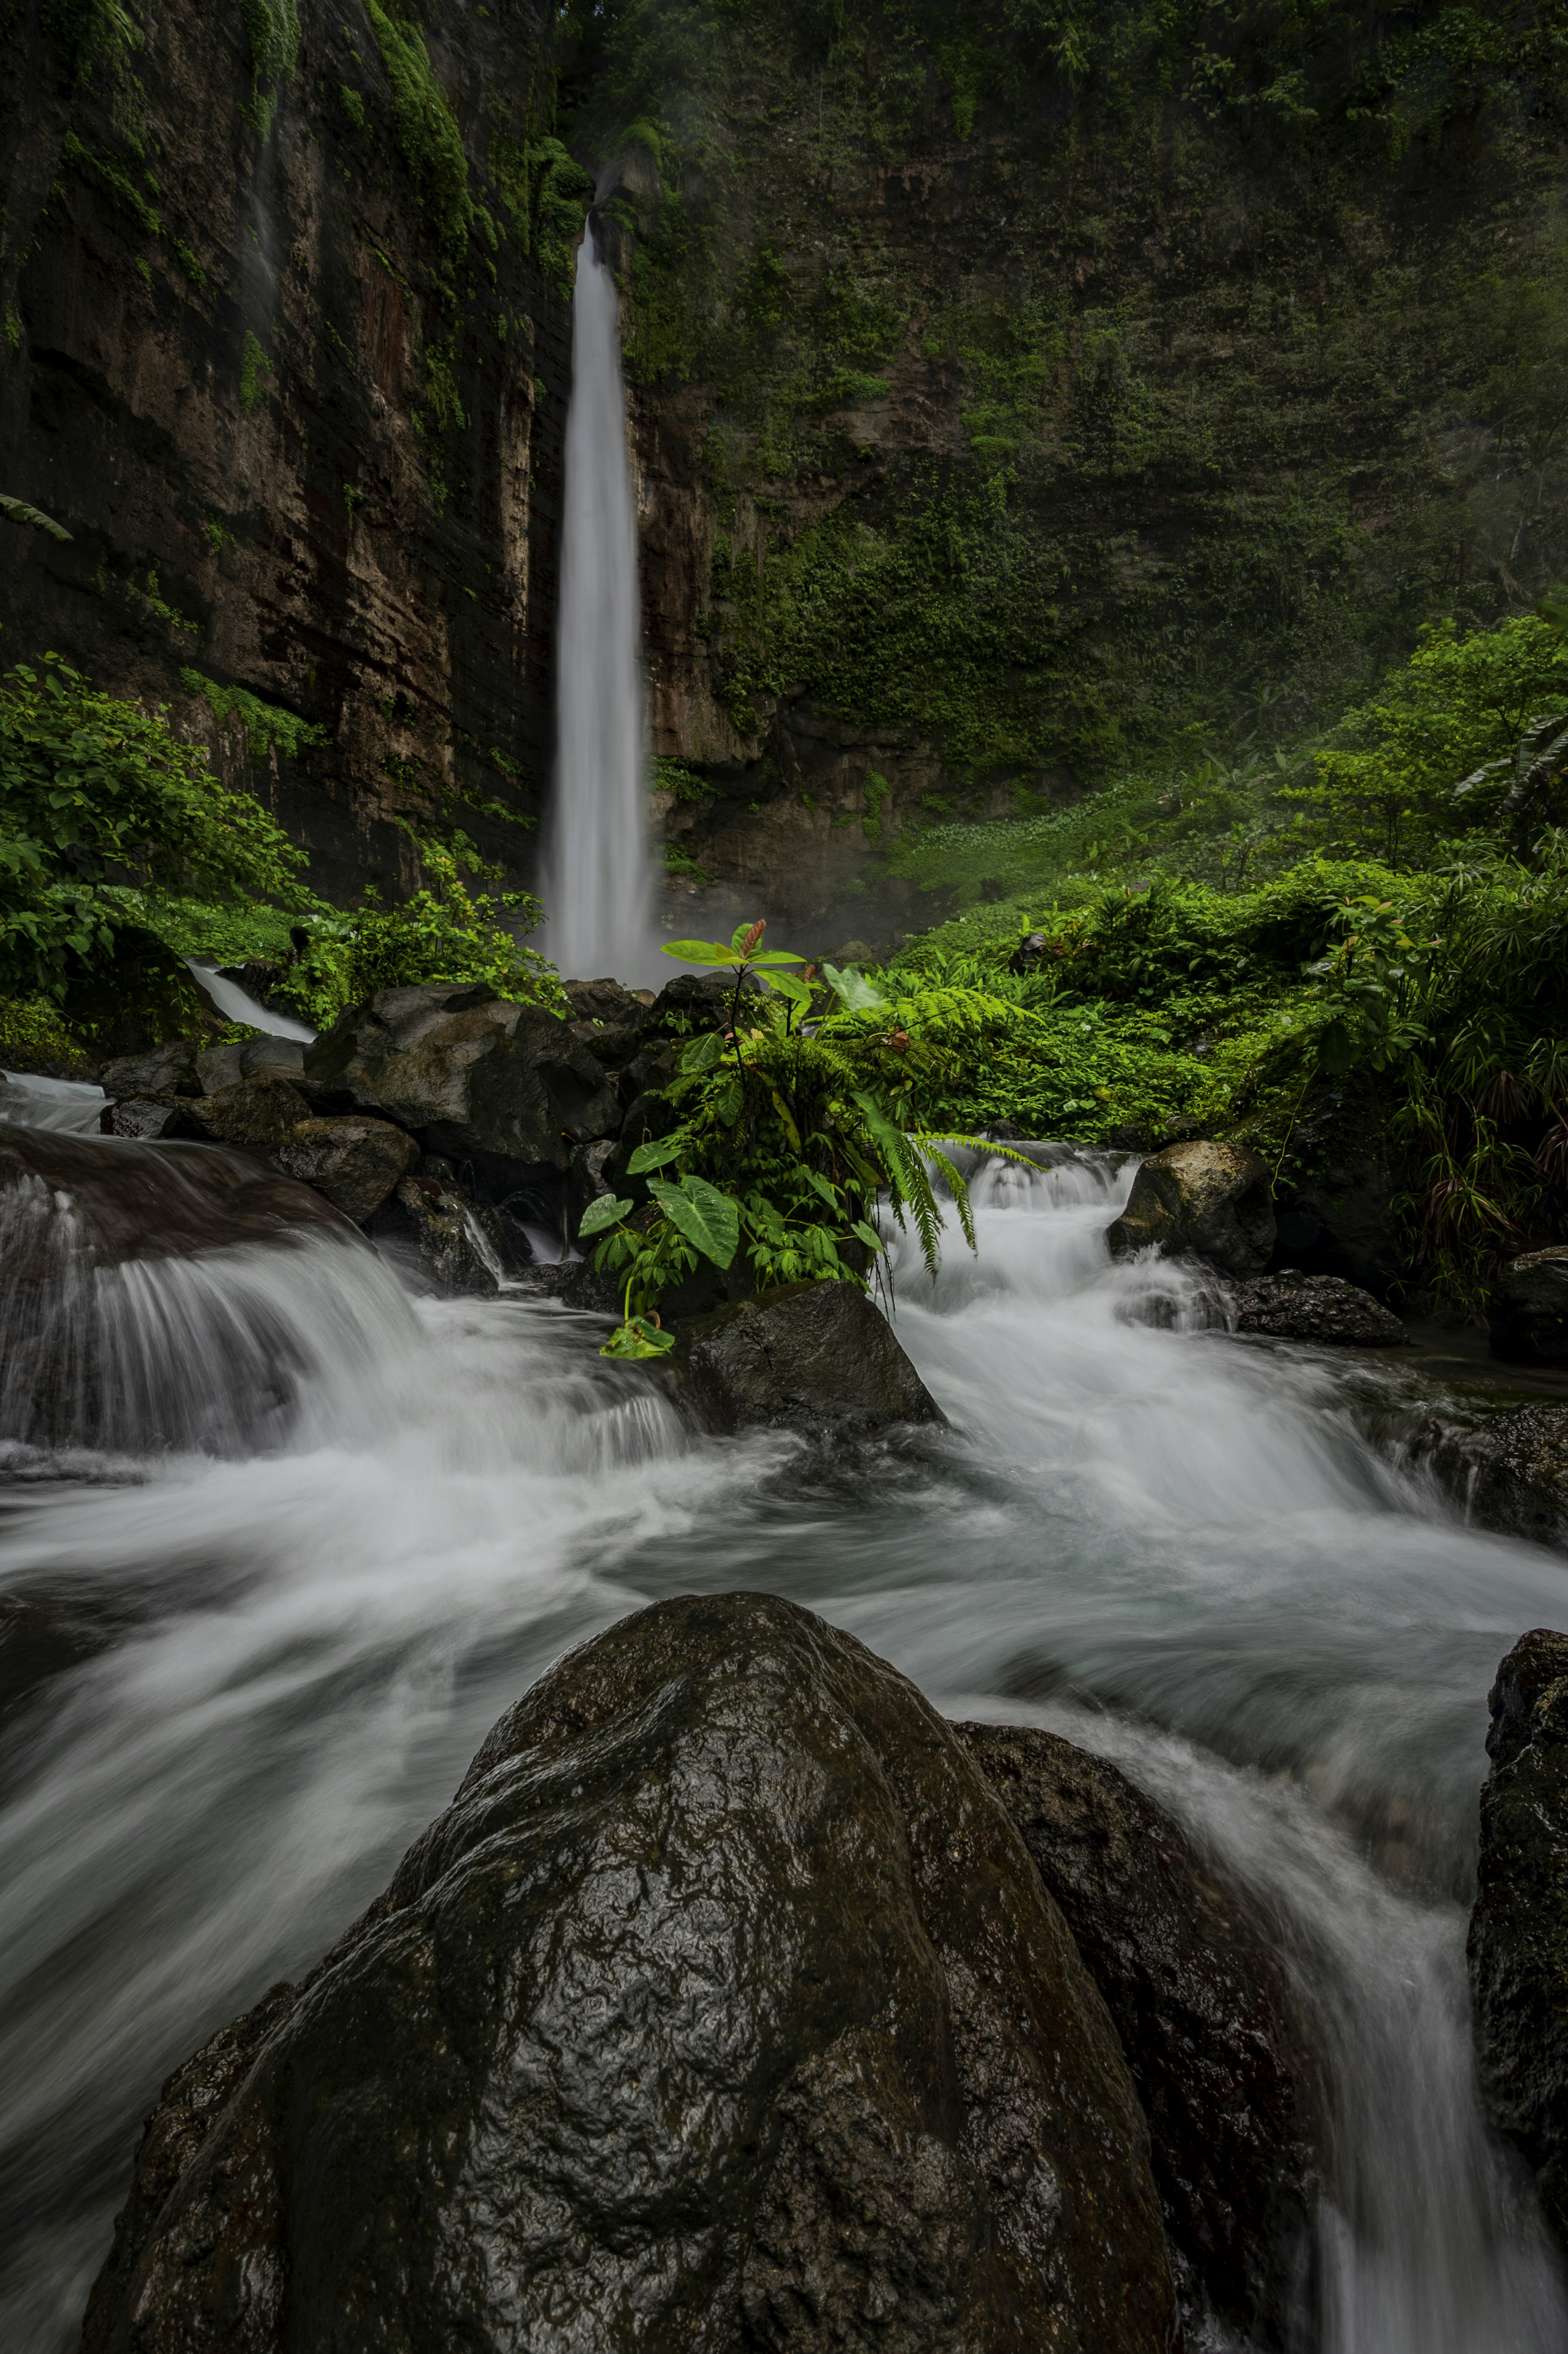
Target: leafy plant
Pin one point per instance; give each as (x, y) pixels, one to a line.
(96, 794)
(784, 1149)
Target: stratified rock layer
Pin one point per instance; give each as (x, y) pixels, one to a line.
(1519, 1930)
(723, 2010)
(1209, 1200)
(1205, 2015)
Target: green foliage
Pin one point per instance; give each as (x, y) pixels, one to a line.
(93, 791)
(443, 933)
(273, 29)
(545, 194)
(33, 1037)
(426, 129)
(353, 106)
(1386, 783)
(784, 1146)
(267, 725)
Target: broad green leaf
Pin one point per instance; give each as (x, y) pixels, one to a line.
(654, 1156)
(703, 1054)
(728, 1104)
(773, 956)
(790, 985)
(868, 1236)
(851, 988)
(638, 1338)
(824, 1186)
(606, 1212)
(782, 1109)
(708, 1219)
(698, 951)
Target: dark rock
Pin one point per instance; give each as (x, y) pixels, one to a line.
(354, 1162)
(165, 1201)
(168, 1070)
(651, 1069)
(467, 1246)
(1342, 1222)
(815, 1357)
(1527, 1313)
(1210, 1200)
(1519, 1930)
(470, 1074)
(608, 1002)
(1509, 1472)
(256, 1115)
(724, 2009)
(1323, 1308)
(694, 1001)
(1222, 2065)
(587, 1182)
(147, 1118)
(252, 1058)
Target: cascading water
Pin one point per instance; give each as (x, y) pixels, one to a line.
(598, 888)
(242, 1685)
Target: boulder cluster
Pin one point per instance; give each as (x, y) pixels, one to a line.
(740, 2001)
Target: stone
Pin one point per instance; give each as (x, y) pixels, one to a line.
(1211, 1201)
(251, 1058)
(170, 1070)
(813, 1357)
(466, 1246)
(1527, 1313)
(471, 1074)
(255, 1115)
(147, 1118)
(587, 1182)
(723, 2009)
(1224, 2066)
(606, 1002)
(1509, 1472)
(1342, 1222)
(354, 1162)
(1519, 1930)
(1323, 1308)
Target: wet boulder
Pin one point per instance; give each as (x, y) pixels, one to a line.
(169, 1070)
(146, 1119)
(1519, 1929)
(1221, 2060)
(1203, 1200)
(723, 2009)
(251, 1058)
(103, 1202)
(472, 1075)
(813, 1357)
(607, 1004)
(256, 1115)
(466, 1248)
(1527, 1313)
(1291, 1306)
(1509, 1472)
(354, 1162)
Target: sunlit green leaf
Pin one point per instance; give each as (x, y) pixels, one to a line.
(606, 1212)
(654, 1155)
(708, 1218)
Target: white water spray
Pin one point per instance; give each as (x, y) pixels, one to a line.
(599, 889)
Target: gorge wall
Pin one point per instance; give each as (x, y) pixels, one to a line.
(1017, 393)
(287, 354)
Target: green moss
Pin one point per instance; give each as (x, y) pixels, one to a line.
(253, 365)
(273, 30)
(268, 727)
(876, 789)
(426, 130)
(544, 193)
(353, 106)
(34, 1038)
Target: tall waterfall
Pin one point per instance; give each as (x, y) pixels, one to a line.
(598, 887)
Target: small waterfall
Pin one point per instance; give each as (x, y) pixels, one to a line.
(598, 888)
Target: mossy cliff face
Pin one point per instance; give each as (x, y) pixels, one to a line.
(286, 351)
(1022, 394)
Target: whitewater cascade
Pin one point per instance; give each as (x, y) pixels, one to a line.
(245, 1680)
(598, 876)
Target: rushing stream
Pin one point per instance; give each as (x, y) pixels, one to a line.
(241, 1686)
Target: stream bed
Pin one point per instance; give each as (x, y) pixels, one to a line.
(232, 1690)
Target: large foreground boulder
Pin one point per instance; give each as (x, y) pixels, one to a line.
(1509, 1472)
(1201, 1200)
(472, 1075)
(724, 2009)
(1527, 1313)
(1291, 1306)
(354, 1162)
(813, 1357)
(1519, 1930)
(1222, 2060)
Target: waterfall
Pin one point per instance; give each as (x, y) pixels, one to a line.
(598, 888)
